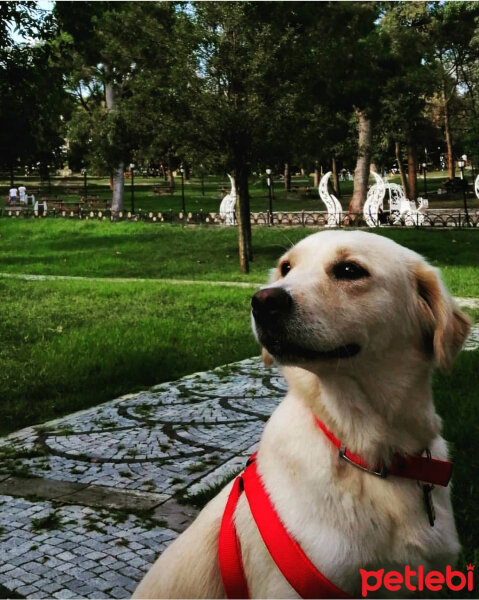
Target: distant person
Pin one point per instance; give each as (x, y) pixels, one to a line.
(382, 217)
(22, 190)
(12, 195)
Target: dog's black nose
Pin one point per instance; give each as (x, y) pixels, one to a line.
(271, 302)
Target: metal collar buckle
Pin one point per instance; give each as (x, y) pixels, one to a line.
(383, 473)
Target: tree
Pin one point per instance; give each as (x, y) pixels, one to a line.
(453, 53)
(247, 91)
(32, 100)
(104, 68)
(350, 63)
(402, 106)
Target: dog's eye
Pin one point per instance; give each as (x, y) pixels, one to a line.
(285, 268)
(349, 270)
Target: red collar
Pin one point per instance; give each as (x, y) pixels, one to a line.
(419, 468)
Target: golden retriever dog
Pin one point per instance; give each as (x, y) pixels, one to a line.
(357, 323)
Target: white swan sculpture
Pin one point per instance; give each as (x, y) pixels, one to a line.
(335, 210)
(374, 198)
(227, 206)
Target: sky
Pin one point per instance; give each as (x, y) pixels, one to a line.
(46, 5)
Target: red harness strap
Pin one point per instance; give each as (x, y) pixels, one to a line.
(293, 563)
(419, 468)
(229, 549)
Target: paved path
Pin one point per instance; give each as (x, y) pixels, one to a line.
(31, 277)
(88, 501)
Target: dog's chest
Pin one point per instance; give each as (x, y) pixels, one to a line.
(345, 519)
(342, 532)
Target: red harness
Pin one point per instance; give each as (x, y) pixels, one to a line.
(293, 563)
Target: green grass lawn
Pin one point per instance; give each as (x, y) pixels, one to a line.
(127, 249)
(456, 401)
(70, 344)
(66, 345)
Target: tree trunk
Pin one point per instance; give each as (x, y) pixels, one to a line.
(287, 178)
(336, 188)
(247, 210)
(243, 218)
(117, 179)
(316, 175)
(11, 175)
(447, 130)
(118, 183)
(361, 172)
(412, 170)
(402, 173)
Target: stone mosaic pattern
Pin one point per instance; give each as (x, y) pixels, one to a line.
(176, 440)
(161, 440)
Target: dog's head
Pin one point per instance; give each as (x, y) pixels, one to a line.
(348, 298)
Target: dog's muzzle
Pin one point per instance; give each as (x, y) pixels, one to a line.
(270, 305)
(272, 308)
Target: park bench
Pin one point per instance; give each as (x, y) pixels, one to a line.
(162, 189)
(64, 207)
(303, 190)
(95, 202)
(455, 185)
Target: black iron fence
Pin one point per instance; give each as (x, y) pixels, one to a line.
(433, 218)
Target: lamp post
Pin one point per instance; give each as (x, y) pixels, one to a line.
(202, 180)
(424, 169)
(182, 171)
(132, 188)
(461, 164)
(270, 195)
(85, 183)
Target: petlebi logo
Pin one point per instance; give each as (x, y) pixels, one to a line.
(434, 581)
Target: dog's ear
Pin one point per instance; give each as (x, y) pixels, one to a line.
(446, 327)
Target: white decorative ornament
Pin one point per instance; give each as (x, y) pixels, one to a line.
(335, 210)
(401, 209)
(374, 199)
(227, 206)
(42, 205)
(476, 186)
(423, 204)
(396, 197)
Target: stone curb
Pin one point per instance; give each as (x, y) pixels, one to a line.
(83, 494)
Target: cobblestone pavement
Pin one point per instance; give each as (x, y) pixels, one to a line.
(88, 501)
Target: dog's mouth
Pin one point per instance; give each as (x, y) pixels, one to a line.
(286, 351)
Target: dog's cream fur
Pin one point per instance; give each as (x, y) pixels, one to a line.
(378, 402)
